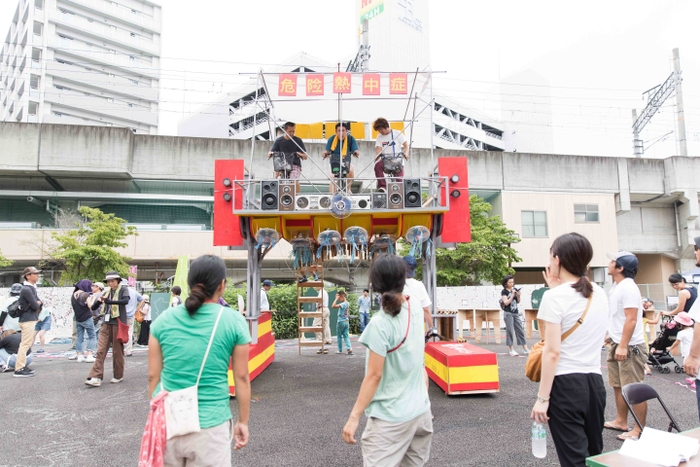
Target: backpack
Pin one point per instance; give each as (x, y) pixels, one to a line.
(14, 310)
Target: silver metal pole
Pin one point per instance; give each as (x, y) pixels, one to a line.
(680, 112)
(432, 126)
(255, 114)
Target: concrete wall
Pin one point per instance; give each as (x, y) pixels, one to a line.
(649, 229)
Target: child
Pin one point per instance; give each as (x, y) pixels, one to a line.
(342, 329)
(175, 299)
(685, 335)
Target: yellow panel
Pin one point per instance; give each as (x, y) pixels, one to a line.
(375, 133)
(364, 221)
(473, 374)
(293, 231)
(330, 129)
(412, 220)
(258, 223)
(357, 129)
(264, 328)
(436, 367)
(396, 126)
(302, 130)
(316, 131)
(322, 223)
(254, 363)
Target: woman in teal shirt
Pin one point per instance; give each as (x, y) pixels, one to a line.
(393, 395)
(176, 348)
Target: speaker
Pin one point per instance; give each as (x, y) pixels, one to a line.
(379, 201)
(394, 195)
(269, 195)
(287, 196)
(312, 202)
(411, 192)
(360, 201)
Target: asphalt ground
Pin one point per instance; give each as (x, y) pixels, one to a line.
(300, 405)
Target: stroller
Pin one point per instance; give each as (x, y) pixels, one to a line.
(660, 357)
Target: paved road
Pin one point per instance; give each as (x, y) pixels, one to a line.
(300, 406)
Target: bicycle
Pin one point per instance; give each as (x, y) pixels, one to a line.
(339, 171)
(283, 163)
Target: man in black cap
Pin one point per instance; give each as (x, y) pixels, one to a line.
(692, 361)
(628, 351)
(264, 302)
(30, 305)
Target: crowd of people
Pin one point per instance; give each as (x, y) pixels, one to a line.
(340, 148)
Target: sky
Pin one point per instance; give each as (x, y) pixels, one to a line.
(597, 58)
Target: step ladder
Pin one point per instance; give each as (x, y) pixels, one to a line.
(317, 313)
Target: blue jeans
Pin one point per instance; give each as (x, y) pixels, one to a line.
(364, 319)
(9, 360)
(342, 331)
(89, 327)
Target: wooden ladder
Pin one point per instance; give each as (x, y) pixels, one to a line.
(302, 315)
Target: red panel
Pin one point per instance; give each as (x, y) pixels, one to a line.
(474, 386)
(262, 366)
(436, 379)
(456, 354)
(265, 341)
(456, 225)
(264, 317)
(431, 348)
(227, 230)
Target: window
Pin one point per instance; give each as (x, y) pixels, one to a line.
(584, 213)
(38, 28)
(534, 223)
(36, 54)
(39, 4)
(33, 108)
(34, 81)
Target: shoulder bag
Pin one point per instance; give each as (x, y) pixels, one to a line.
(533, 366)
(182, 406)
(407, 327)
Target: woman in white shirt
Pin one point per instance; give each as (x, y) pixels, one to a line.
(571, 394)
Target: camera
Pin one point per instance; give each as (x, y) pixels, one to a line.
(517, 290)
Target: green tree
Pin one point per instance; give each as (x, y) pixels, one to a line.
(486, 258)
(4, 262)
(89, 251)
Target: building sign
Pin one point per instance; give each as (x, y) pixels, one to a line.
(370, 8)
(288, 85)
(398, 83)
(370, 84)
(314, 85)
(341, 82)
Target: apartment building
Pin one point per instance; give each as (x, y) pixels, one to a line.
(84, 62)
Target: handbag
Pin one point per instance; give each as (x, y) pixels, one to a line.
(533, 365)
(122, 332)
(182, 406)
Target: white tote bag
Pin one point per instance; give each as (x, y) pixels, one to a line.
(182, 406)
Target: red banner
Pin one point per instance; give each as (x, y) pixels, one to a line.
(341, 82)
(315, 85)
(398, 83)
(288, 85)
(370, 84)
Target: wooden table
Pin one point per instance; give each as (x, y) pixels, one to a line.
(465, 314)
(490, 315)
(530, 319)
(615, 459)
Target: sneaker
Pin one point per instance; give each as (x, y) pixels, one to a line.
(315, 276)
(338, 352)
(73, 357)
(89, 359)
(381, 190)
(129, 355)
(513, 353)
(116, 380)
(24, 373)
(94, 382)
(350, 352)
(303, 279)
(526, 351)
(41, 350)
(80, 359)
(4, 368)
(319, 351)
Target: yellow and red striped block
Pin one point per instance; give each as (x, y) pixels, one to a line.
(461, 368)
(261, 354)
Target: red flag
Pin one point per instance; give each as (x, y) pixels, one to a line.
(288, 84)
(370, 84)
(398, 83)
(341, 82)
(314, 85)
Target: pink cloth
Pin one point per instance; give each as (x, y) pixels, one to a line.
(154, 435)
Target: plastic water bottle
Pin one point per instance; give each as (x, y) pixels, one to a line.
(539, 440)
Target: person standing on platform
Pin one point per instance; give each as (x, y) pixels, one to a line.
(628, 352)
(341, 147)
(692, 362)
(571, 394)
(264, 302)
(510, 297)
(389, 142)
(364, 303)
(31, 306)
(290, 144)
(393, 394)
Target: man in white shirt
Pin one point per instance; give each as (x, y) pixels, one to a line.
(691, 363)
(416, 288)
(628, 351)
(389, 142)
(264, 303)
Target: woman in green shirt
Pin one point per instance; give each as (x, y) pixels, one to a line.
(393, 395)
(176, 349)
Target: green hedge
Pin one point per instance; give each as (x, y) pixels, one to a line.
(283, 299)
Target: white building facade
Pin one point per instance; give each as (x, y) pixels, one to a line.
(86, 62)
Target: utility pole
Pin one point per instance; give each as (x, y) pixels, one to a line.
(656, 98)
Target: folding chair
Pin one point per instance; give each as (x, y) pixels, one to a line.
(636, 393)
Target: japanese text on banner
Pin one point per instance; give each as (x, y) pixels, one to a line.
(370, 84)
(398, 83)
(288, 85)
(315, 85)
(342, 82)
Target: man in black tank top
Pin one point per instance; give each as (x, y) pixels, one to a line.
(686, 295)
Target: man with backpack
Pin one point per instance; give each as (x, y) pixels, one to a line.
(29, 306)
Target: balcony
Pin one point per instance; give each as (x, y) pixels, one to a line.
(123, 62)
(106, 82)
(119, 13)
(102, 31)
(101, 106)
